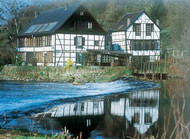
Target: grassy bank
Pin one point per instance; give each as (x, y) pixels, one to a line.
(18, 134)
(59, 74)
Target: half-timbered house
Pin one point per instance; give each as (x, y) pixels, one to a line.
(138, 35)
(56, 35)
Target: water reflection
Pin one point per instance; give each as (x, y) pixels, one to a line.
(110, 116)
(139, 108)
(83, 108)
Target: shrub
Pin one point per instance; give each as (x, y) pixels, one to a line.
(18, 61)
(41, 73)
(84, 59)
(33, 61)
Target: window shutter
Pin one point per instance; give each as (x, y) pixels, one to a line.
(83, 41)
(75, 41)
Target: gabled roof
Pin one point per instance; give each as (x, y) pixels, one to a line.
(49, 21)
(122, 24)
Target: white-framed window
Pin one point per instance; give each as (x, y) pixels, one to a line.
(79, 41)
(137, 29)
(149, 29)
(105, 59)
(89, 25)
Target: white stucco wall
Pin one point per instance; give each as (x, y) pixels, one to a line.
(63, 47)
(124, 38)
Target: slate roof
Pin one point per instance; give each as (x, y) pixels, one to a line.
(122, 24)
(54, 18)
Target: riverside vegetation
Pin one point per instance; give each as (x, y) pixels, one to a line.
(18, 134)
(59, 74)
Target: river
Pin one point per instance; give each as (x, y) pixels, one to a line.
(120, 109)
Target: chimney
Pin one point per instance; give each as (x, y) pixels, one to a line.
(157, 22)
(128, 21)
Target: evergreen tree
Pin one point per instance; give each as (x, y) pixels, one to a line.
(158, 10)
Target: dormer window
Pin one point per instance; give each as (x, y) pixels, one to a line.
(89, 25)
(81, 13)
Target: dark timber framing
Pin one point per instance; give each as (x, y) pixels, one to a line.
(123, 33)
(66, 25)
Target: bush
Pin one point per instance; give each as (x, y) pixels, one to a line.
(18, 61)
(33, 61)
(84, 59)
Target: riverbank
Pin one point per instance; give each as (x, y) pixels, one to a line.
(18, 134)
(7, 133)
(59, 74)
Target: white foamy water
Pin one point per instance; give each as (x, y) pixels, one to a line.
(17, 96)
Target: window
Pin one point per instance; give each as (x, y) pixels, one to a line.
(39, 41)
(79, 41)
(89, 25)
(137, 29)
(153, 46)
(149, 29)
(50, 26)
(41, 27)
(147, 118)
(39, 57)
(21, 42)
(49, 57)
(136, 118)
(37, 27)
(78, 58)
(105, 58)
(29, 56)
(81, 13)
(143, 45)
(147, 45)
(48, 40)
(31, 29)
(29, 42)
(97, 43)
(136, 45)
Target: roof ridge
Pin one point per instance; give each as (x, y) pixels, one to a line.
(136, 12)
(54, 9)
(132, 16)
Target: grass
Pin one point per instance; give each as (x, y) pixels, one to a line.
(35, 73)
(17, 134)
(114, 73)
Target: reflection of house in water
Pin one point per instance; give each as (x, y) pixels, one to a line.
(86, 108)
(108, 116)
(140, 109)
